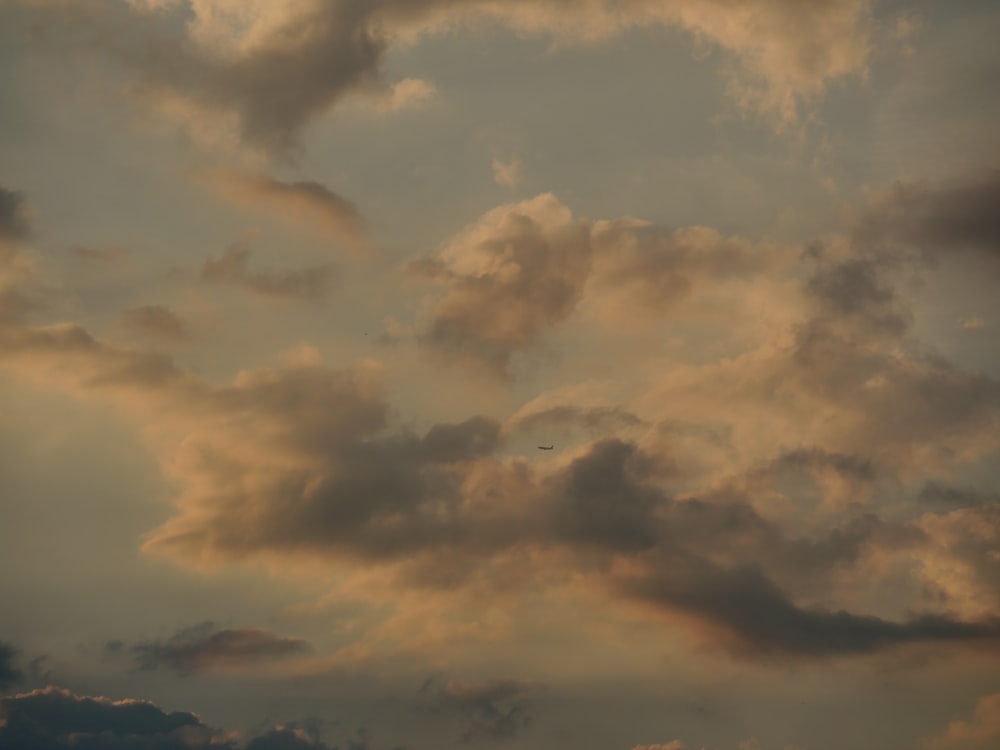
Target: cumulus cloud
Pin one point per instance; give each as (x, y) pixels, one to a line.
(308, 461)
(308, 284)
(517, 271)
(55, 719)
(982, 731)
(523, 268)
(156, 321)
(297, 461)
(205, 647)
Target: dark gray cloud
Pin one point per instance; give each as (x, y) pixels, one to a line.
(746, 605)
(445, 508)
(473, 438)
(494, 710)
(943, 218)
(204, 647)
(310, 284)
(55, 719)
(604, 498)
(156, 321)
(9, 674)
(318, 56)
(950, 497)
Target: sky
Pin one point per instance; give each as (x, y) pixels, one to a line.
(294, 292)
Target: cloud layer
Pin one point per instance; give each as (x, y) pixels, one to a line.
(266, 72)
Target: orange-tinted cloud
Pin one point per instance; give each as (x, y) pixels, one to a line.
(155, 321)
(272, 69)
(293, 202)
(979, 733)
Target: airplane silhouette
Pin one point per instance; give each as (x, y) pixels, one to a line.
(545, 447)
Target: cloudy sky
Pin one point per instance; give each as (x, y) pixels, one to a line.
(292, 291)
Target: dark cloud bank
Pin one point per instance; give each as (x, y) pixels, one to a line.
(205, 647)
(56, 719)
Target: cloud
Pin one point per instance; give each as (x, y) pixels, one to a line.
(672, 745)
(524, 268)
(517, 271)
(16, 270)
(272, 69)
(494, 710)
(203, 648)
(507, 173)
(701, 515)
(307, 284)
(14, 223)
(942, 218)
(9, 674)
(155, 321)
(979, 733)
(744, 604)
(600, 419)
(55, 719)
(294, 202)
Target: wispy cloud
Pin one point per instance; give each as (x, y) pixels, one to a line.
(308, 284)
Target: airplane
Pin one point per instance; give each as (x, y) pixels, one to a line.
(545, 447)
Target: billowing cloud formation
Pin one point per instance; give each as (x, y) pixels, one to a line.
(517, 271)
(702, 514)
(523, 268)
(309, 284)
(54, 719)
(273, 68)
(9, 674)
(979, 733)
(156, 321)
(204, 647)
(494, 710)
(295, 202)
